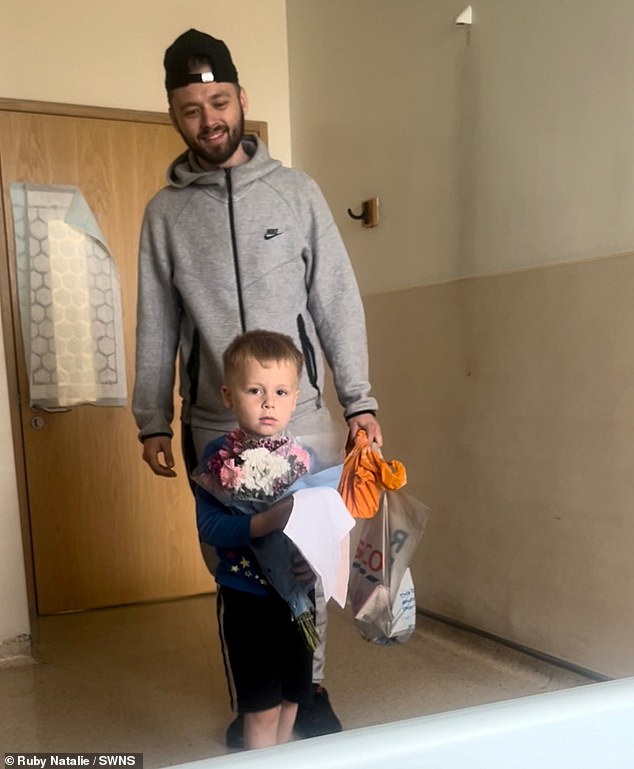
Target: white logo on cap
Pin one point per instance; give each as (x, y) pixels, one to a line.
(206, 77)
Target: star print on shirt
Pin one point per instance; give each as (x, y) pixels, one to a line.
(241, 565)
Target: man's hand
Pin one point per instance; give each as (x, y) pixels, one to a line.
(157, 452)
(369, 423)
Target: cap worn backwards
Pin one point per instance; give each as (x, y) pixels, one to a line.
(195, 43)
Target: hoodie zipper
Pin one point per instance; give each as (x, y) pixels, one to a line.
(234, 246)
(307, 348)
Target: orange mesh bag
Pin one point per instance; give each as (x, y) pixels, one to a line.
(365, 475)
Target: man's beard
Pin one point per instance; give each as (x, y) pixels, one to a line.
(218, 155)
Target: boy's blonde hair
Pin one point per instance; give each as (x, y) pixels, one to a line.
(264, 347)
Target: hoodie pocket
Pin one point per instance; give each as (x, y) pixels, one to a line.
(309, 357)
(193, 368)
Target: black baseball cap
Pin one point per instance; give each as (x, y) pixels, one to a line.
(195, 43)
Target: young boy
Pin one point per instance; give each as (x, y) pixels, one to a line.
(268, 665)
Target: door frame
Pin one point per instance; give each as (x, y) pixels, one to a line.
(9, 309)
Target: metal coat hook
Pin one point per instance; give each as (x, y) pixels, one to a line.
(369, 213)
(362, 215)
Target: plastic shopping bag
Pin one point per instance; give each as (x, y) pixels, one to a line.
(381, 589)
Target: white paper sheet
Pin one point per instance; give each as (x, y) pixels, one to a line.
(319, 525)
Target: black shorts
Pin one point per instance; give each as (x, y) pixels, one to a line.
(266, 658)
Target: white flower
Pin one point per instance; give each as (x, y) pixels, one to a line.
(262, 472)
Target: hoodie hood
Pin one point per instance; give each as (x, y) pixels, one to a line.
(186, 171)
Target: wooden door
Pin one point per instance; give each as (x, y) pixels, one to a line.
(104, 530)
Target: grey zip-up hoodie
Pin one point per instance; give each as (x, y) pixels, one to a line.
(225, 251)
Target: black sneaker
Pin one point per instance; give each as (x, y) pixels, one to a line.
(234, 737)
(317, 718)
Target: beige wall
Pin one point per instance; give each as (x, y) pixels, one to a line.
(506, 383)
(523, 403)
(110, 54)
(14, 616)
(502, 146)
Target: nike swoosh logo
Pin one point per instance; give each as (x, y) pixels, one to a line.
(270, 234)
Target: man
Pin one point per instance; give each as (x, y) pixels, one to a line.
(235, 242)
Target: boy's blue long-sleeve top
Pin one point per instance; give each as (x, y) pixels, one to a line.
(228, 531)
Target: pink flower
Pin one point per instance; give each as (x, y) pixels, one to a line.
(230, 474)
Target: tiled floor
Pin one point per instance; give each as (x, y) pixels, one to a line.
(148, 679)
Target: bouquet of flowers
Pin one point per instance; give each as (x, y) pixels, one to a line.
(255, 470)
(249, 474)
